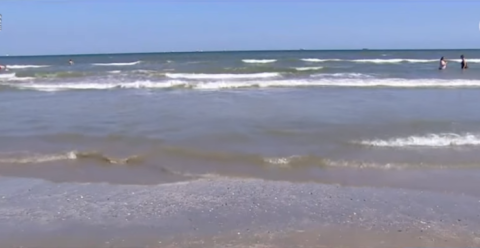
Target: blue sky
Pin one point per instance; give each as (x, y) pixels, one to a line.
(114, 26)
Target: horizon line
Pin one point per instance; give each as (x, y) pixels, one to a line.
(233, 51)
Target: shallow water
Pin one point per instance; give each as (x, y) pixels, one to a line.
(291, 115)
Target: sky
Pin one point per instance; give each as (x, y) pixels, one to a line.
(40, 27)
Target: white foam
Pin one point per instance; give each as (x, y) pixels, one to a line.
(257, 84)
(315, 68)
(114, 72)
(37, 158)
(222, 76)
(314, 60)
(328, 81)
(430, 140)
(25, 66)
(259, 61)
(117, 64)
(282, 161)
(7, 76)
(385, 61)
(403, 83)
(341, 75)
(99, 86)
(343, 82)
(13, 77)
(468, 60)
(394, 61)
(145, 71)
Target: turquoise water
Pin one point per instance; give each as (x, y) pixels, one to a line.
(241, 113)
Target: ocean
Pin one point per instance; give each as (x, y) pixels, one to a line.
(241, 113)
(369, 118)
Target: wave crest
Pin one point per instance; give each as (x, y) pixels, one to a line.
(384, 61)
(314, 60)
(430, 140)
(222, 76)
(177, 152)
(25, 66)
(13, 77)
(320, 80)
(72, 155)
(258, 61)
(314, 68)
(118, 64)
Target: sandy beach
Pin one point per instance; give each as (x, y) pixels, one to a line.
(221, 212)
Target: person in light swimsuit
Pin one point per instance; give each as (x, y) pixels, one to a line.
(443, 64)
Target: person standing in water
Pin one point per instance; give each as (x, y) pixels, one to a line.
(70, 62)
(443, 64)
(463, 63)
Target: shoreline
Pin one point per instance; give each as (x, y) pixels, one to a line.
(463, 181)
(40, 213)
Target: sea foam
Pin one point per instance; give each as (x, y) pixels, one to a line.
(429, 140)
(259, 61)
(25, 66)
(117, 64)
(222, 76)
(321, 80)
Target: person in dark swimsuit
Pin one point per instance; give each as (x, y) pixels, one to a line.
(463, 63)
(443, 64)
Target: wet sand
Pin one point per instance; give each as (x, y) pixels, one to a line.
(216, 212)
(442, 180)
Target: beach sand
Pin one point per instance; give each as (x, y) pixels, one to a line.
(226, 212)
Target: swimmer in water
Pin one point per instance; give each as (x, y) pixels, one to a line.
(463, 63)
(70, 62)
(443, 64)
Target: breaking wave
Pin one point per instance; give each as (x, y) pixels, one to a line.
(314, 60)
(393, 61)
(188, 155)
(117, 64)
(259, 61)
(383, 61)
(315, 68)
(25, 66)
(221, 76)
(430, 140)
(72, 155)
(325, 80)
(178, 152)
(13, 77)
